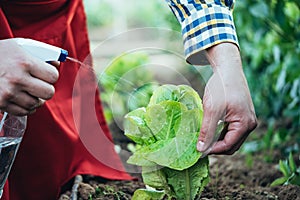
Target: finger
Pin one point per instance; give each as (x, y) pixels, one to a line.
(18, 110)
(26, 101)
(236, 147)
(38, 88)
(207, 132)
(213, 111)
(236, 135)
(43, 71)
(231, 151)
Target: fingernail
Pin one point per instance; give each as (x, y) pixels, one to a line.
(41, 102)
(200, 146)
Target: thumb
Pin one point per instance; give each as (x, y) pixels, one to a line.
(207, 131)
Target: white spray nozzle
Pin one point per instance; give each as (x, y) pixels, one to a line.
(41, 50)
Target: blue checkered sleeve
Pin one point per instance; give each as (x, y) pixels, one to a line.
(204, 23)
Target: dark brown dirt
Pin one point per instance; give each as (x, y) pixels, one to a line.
(231, 178)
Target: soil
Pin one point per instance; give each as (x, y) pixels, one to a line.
(232, 177)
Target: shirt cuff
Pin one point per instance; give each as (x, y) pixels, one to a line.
(205, 28)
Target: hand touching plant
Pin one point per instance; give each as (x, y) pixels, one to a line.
(226, 98)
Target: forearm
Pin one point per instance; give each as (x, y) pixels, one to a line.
(224, 56)
(225, 60)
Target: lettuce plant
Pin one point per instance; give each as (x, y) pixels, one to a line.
(166, 133)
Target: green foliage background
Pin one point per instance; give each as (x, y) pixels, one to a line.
(269, 36)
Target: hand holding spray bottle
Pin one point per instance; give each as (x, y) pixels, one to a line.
(12, 127)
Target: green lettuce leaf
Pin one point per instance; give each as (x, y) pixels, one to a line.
(189, 97)
(155, 177)
(163, 93)
(182, 93)
(145, 194)
(186, 184)
(136, 127)
(176, 153)
(164, 119)
(190, 121)
(167, 132)
(138, 159)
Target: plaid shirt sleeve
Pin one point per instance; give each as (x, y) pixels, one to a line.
(204, 23)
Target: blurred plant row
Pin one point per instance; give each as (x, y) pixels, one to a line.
(269, 33)
(134, 13)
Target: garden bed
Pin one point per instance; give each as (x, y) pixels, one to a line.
(232, 177)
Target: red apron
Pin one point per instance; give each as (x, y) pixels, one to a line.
(68, 135)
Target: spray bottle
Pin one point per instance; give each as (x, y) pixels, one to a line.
(43, 51)
(12, 128)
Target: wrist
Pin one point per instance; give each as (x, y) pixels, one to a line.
(224, 56)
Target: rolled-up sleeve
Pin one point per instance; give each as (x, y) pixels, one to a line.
(204, 23)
